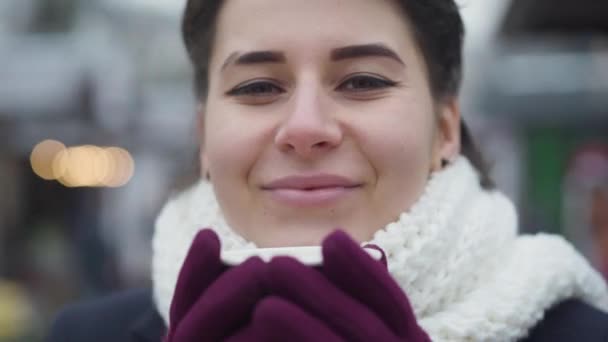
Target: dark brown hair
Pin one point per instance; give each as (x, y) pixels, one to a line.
(438, 30)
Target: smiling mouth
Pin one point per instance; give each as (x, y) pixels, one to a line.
(307, 197)
(320, 188)
(311, 196)
(311, 190)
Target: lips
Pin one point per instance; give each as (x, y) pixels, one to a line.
(315, 190)
(311, 182)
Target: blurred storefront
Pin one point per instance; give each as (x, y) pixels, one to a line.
(546, 76)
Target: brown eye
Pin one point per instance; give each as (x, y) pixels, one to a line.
(258, 88)
(364, 83)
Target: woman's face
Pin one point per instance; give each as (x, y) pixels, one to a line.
(319, 115)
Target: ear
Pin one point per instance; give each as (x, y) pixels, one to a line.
(447, 140)
(200, 133)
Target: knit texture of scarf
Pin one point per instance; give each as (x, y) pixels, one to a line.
(455, 253)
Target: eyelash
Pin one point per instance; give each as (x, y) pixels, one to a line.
(253, 88)
(249, 88)
(378, 83)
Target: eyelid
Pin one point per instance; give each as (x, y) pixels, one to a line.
(389, 82)
(364, 74)
(232, 91)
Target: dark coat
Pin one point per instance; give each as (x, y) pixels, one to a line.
(132, 317)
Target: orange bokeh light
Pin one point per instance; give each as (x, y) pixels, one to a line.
(83, 166)
(42, 157)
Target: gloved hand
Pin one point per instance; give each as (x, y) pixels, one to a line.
(212, 301)
(352, 298)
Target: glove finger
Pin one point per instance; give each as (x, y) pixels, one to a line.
(276, 319)
(351, 269)
(248, 334)
(226, 305)
(282, 320)
(309, 289)
(200, 268)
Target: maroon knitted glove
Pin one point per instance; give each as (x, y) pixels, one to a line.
(351, 269)
(352, 298)
(212, 301)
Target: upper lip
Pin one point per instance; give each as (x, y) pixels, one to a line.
(311, 182)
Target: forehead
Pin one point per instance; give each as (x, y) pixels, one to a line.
(310, 24)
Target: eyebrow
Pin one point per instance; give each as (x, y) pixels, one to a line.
(255, 57)
(366, 50)
(338, 54)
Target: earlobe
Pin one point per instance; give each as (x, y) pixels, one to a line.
(204, 165)
(448, 133)
(447, 141)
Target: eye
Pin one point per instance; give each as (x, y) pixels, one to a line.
(365, 83)
(255, 88)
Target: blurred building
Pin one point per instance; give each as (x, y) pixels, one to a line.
(114, 73)
(546, 78)
(105, 73)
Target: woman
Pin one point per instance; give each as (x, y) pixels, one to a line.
(321, 114)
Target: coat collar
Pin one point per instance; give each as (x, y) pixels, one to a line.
(148, 327)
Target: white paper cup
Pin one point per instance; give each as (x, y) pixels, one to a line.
(309, 255)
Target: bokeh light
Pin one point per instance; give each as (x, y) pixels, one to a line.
(83, 166)
(42, 157)
(123, 167)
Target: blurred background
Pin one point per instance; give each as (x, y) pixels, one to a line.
(99, 92)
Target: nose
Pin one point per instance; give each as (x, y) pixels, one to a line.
(309, 128)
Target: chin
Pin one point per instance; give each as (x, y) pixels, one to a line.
(294, 237)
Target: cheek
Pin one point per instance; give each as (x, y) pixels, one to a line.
(400, 153)
(231, 144)
(399, 142)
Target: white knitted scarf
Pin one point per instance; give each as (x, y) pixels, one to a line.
(455, 253)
